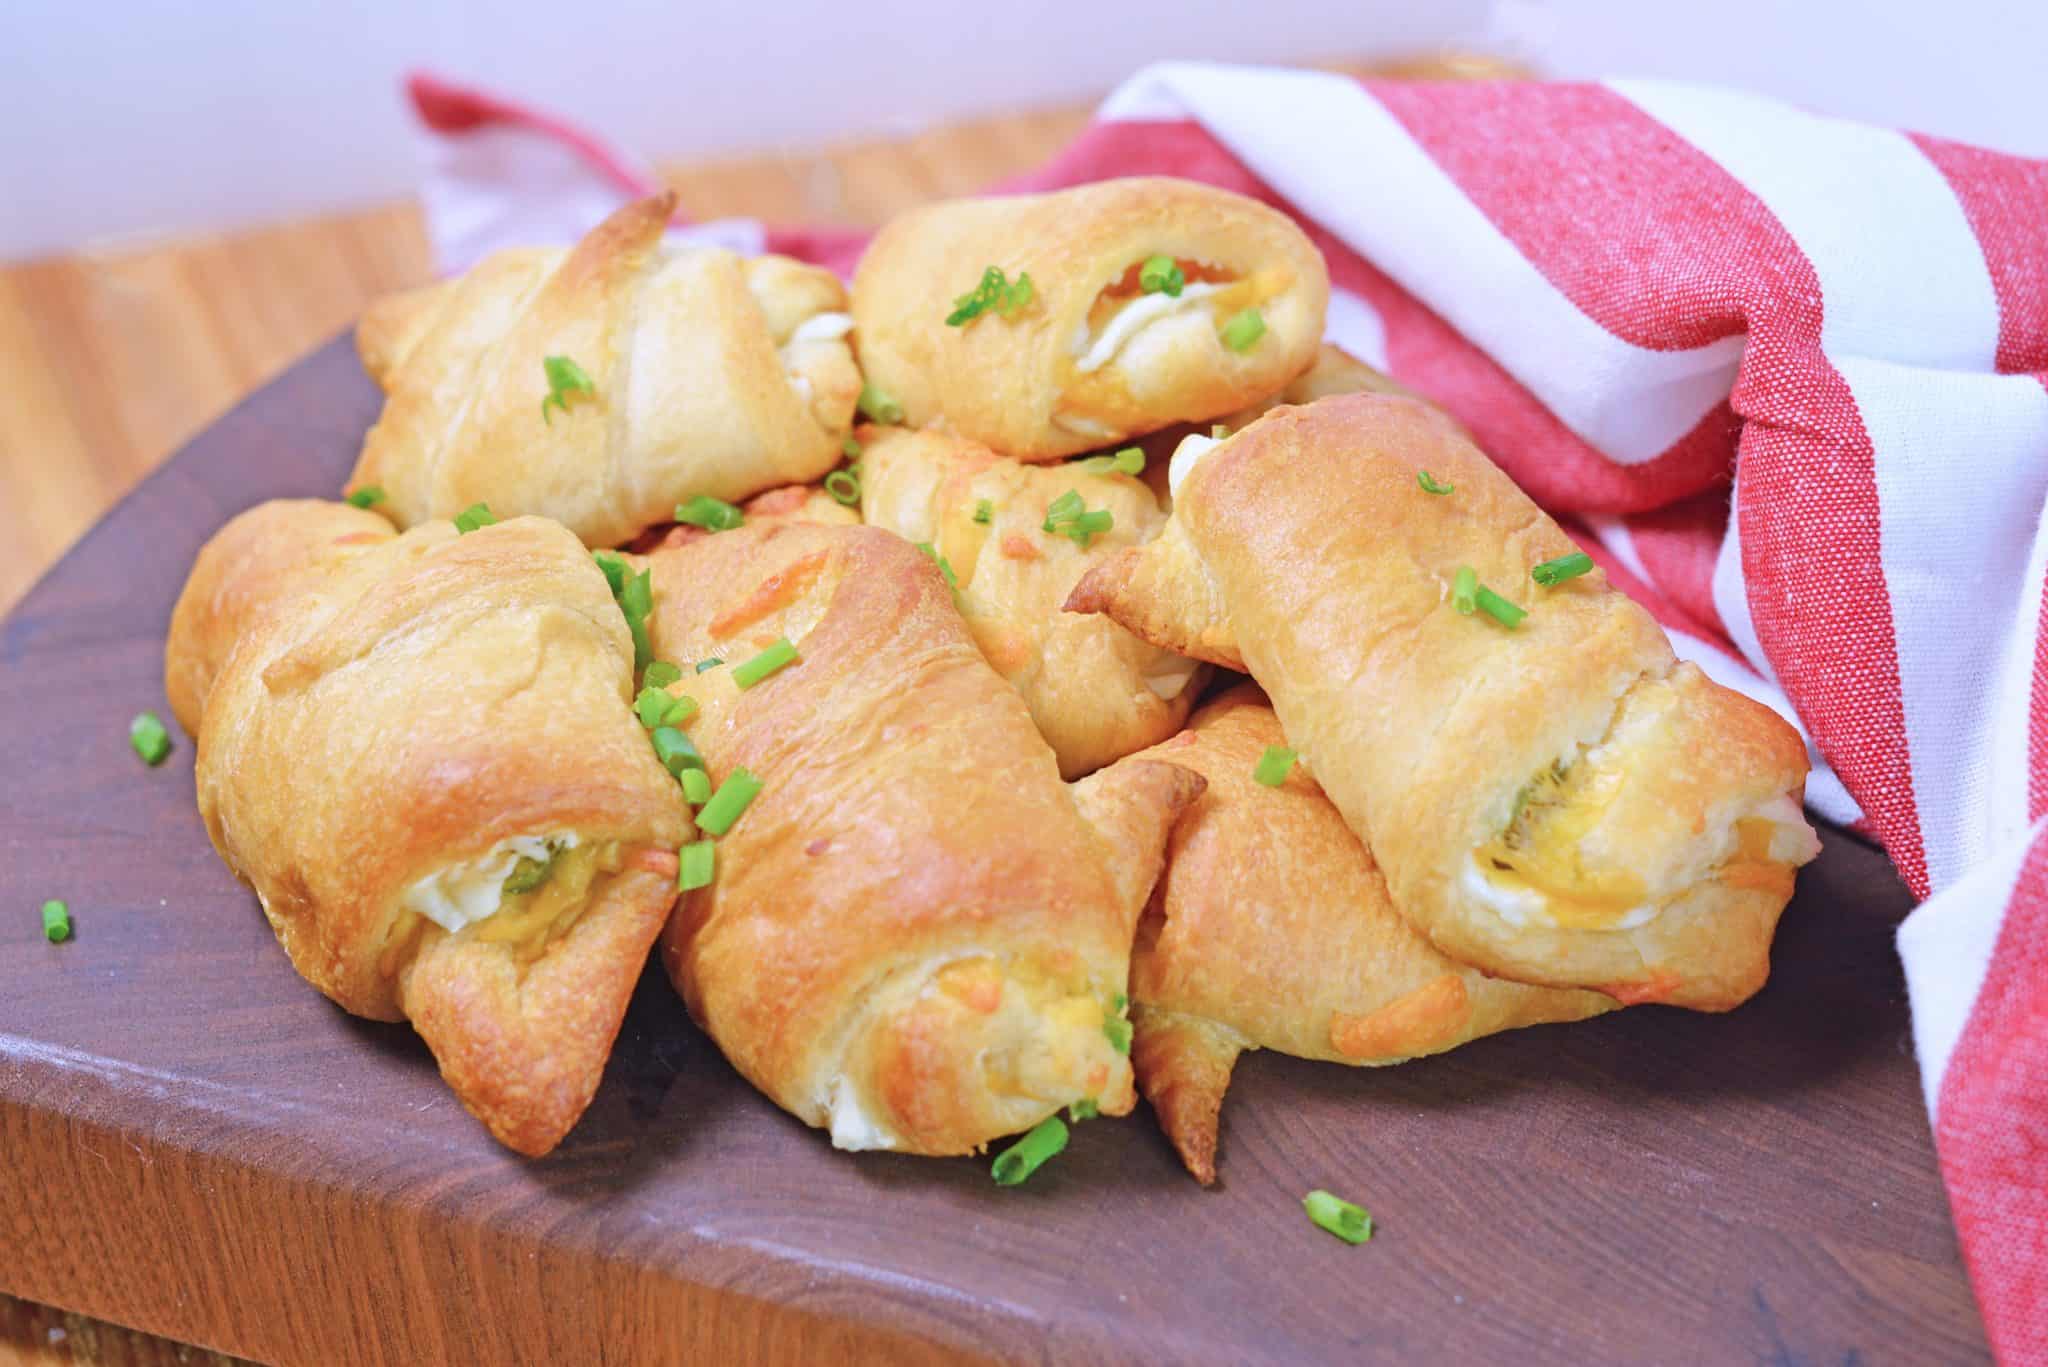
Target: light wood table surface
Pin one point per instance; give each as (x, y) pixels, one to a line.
(114, 358)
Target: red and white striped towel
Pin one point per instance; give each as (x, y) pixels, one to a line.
(1786, 375)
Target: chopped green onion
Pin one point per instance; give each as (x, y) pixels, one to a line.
(1429, 483)
(1084, 1109)
(1244, 329)
(528, 874)
(636, 601)
(151, 741)
(661, 674)
(474, 516)
(709, 663)
(731, 799)
(1030, 1153)
(696, 787)
(777, 656)
(1129, 461)
(614, 567)
(1119, 1032)
(695, 863)
(1274, 766)
(680, 709)
(984, 511)
(945, 566)
(675, 750)
(1085, 528)
(651, 706)
(369, 496)
(1563, 568)
(995, 291)
(1499, 608)
(1120, 1001)
(1065, 508)
(1338, 1216)
(1465, 590)
(849, 448)
(1219, 431)
(565, 378)
(712, 514)
(1162, 275)
(844, 486)
(56, 922)
(879, 404)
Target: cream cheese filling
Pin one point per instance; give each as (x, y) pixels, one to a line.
(1168, 675)
(853, 1129)
(463, 894)
(1140, 313)
(1185, 457)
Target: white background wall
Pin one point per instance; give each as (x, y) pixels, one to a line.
(148, 117)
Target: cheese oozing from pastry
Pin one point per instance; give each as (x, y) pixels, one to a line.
(1185, 457)
(1097, 349)
(463, 894)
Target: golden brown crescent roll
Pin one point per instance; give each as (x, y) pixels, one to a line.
(1271, 928)
(1095, 691)
(427, 767)
(917, 936)
(807, 503)
(1092, 357)
(1561, 802)
(260, 558)
(712, 374)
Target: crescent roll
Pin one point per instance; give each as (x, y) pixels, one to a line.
(1091, 355)
(1271, 928)
(1095, 691)
(426, 765)
(708, 374)
(1560, 802)
(917, 936)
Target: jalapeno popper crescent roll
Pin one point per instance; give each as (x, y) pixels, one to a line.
(1552, 796)
(917, 936)
(1271, 928)
(1149, 301)
(602, 385)
(1095, 691)
(427, 767)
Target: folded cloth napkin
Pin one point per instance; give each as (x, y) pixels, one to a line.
(1785, 376)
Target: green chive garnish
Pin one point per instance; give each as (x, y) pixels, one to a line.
(1338, 1216)
(661, 674)
(565, 378)
(369, 496)
(1129, 461)
(675, 750)
(984, 511)
(712, 514)
(614, 567)
(1119, 1032)
(1465, 590)
(750, 672)
(1274, 766)
(696, 787)
(636, 601)
(731, 799)
(1429, 483)
(1244, 329)
(474, 516)
(1065, 508)
(56, 922)
(1084, 1109)
(844, 486)
(931, 553)
(528, 874)
(146, 733)
(651, 706)
(1088, 526)
(711, 663)
(1219, 431)
(1499, 608)
(849, 448)
(879, 404)
(995, 291)
(1030, 1153)
(695, 863)
(1162, 275)
(1563, 568)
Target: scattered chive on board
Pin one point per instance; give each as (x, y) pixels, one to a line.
(1430, 485)
(56, 922)
(1338, 1216)
(695, 863)
(1274, 766)
(1029, 1154)
(151, 742)
(732, 798)
(474, 516)
(712, 514)
(778, 656)
(1563, 568)
(1244, 329)
(369, 496)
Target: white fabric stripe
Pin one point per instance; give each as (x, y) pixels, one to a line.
(1946, 946)
(1356, 326)
(1621, 543)
(1361, 176)
(2012, 716)
(1731, 592)
(493, 188)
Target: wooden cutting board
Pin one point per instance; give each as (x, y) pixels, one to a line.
(197, 1144)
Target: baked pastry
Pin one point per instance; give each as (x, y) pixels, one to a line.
(808, 503)
(1095, 348)
(917, 936)
(708, 374)
(427, 766)
(1558, 801)
(1095, 691)
(1271, 928)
